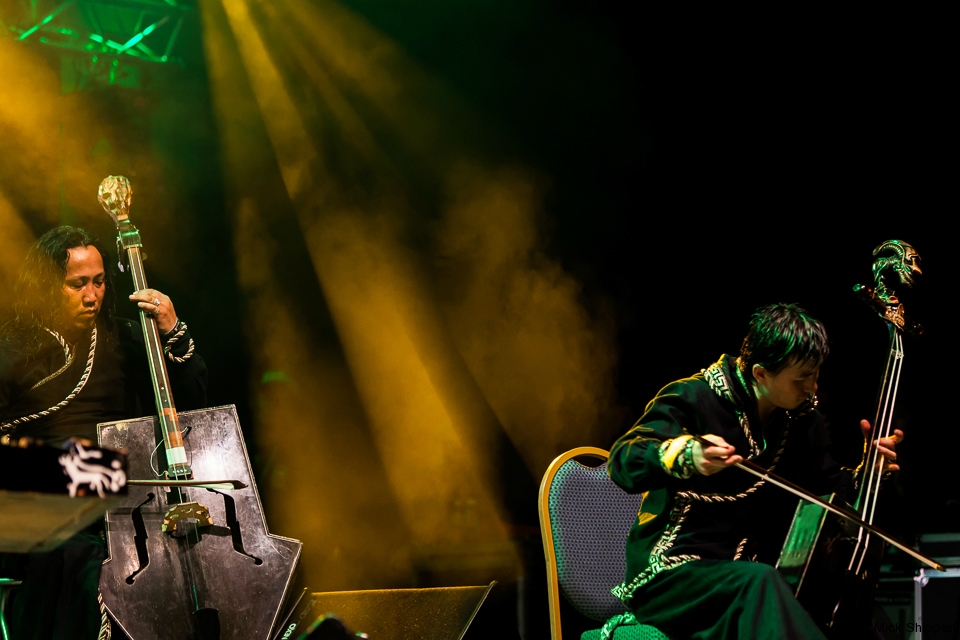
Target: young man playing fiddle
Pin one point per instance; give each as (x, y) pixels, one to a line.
(700, 555)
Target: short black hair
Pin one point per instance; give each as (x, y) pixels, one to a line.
(38, 292)
(782, 334)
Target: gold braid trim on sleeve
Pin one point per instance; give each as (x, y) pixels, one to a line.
(676, 456)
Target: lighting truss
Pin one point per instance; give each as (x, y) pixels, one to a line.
(142, 29)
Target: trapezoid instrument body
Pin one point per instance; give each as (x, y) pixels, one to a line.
(246, 571)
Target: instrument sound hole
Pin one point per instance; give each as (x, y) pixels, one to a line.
(140, 538)
(230, 512)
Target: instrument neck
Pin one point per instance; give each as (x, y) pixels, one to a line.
(177, 466)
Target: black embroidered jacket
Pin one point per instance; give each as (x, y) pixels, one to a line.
(117, 387)
(730, 514)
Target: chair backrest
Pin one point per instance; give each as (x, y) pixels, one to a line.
(584, 519)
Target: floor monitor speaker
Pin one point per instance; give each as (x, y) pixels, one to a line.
(446, 613)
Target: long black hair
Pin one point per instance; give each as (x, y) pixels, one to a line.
(38, 292)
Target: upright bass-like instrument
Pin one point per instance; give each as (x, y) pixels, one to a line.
(189, 553)
(831, 562)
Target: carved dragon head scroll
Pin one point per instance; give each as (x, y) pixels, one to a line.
(900, 258)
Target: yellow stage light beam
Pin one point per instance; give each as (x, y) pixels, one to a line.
(17, 239)
(322, 487)
(29, 124)
(375, 310)
(418, 394)
(292, 146)
(48, 137)
(545, 364)
(515, 316)
(435, 126)
(354, 130)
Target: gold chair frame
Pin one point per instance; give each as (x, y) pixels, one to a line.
(546, 529)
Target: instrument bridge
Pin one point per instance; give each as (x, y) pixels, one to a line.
(182, 512)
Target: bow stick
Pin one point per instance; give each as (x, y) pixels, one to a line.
(772, 478)
(223, 485)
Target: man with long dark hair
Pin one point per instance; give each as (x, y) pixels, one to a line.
(66, 364)
(700, 554)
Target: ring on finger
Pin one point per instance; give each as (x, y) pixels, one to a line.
(156, 302)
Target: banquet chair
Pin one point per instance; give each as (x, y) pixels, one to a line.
(584, 521)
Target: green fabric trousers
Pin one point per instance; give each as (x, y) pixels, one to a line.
(723, 599)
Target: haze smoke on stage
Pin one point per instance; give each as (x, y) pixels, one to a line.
(57, 146)
(29, 123)
(418, 250)
(17, 240)
(544, 362)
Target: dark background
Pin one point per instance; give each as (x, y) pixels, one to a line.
(703, 165)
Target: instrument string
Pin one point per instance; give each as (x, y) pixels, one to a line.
(866, 486)
(882, 428)
(887, 427)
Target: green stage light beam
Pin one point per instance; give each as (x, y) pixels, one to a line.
(109, 43)
(172, 40)
(29, 32)
(143, 34)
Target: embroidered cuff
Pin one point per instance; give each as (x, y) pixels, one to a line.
(676, 457)
(175, 336)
